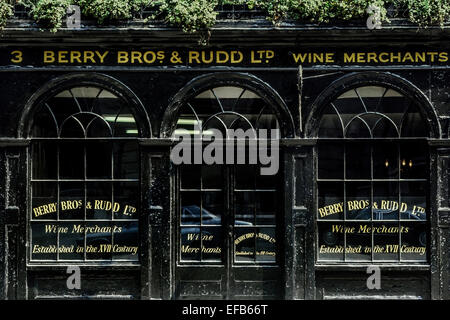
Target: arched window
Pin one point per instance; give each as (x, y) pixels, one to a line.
(227, 210)
(372, 178)
(84, 178)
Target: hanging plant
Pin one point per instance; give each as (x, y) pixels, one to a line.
(49, 13)
(106, 11)
(190, 15)
(6, 12)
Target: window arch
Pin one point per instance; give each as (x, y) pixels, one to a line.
(372, 177)
(85, 173)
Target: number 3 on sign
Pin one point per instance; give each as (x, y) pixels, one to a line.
(17, 56)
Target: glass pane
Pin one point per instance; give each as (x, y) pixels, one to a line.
(357, 157)
(212, 244)
(190, 176)
(44, 200)
(386, 241)
(267, 182)
(71, 200)
(191, 207)
(331, 200)
(126, 241)
(413, 124)
(44, 160)
(385, 160)
(414, 242)
(330, 124)
(99, 203)
(213, 208)
(212, 177)
(266, 246)
(126, 160)
(99, 240)
(359, 242)
(331, 160)
(71, 241)
(43, 242)
(126, 200)
(244, 244)
(245, 177)
(245, 208)
(190, 243)
(266, 207)
(413, 162)
(98, 160)
(413, 198)
(44, 125)
(331, 241)
(358, 200)
(385, 201)
(71, 160)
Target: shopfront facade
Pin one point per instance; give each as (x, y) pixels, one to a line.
(89, 120)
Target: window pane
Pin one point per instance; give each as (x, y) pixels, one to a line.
(385, 160)
(358, 242)
(98, 160)
(99, 240)
(244, 244)
(212, 244)
(212, 177)
(413, 195)
(413, 163)
(190, 243)
(266, 208)
(126, 160)
(266, 246)
(126, 241)
(385, 197)
(331, 200)
(331, 160)
(43, 242)
(71, 200)
(71, 242)
(357, 157)
(331, 241)
(414, 242)
(358, 200)
(71, 160)
(44, 200)
(191, 206)
(99, 203)
(190, 176)
(245, 208)
(44, 160)
(212, 208)
(126, 200)
(386, 241)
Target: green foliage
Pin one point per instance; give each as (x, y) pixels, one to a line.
(427, 12)
(200, 15)
(6, 12)
(110, 10)
(49, 13)
(190, 15)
